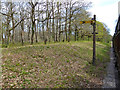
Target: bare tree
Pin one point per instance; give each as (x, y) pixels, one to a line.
(22, 24)
(66, 17)
(33, 18)
(47, 19)
(53, 29)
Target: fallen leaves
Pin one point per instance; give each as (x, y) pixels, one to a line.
(49, 66)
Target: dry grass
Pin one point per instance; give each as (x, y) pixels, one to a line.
(60, 65)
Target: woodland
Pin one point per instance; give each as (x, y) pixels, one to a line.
(48, 21)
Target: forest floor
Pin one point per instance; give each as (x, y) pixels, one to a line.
(57, 65)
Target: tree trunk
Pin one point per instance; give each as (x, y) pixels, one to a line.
(33, 24)
(57, 20)
(7, 31)
(69, 24)
(33, 19)
(47, 16)
(66, 20)
(77, 35)
(36, 34)
(49, 30)
(13, 24)
(28, 33)
(38, 24)
(2, 33)
(22, 31)
(56, 28)
(13, 29)
(75, 32)
(22, 28)
(43, 28)
(32, 34)
(59, 25)
(53, 30)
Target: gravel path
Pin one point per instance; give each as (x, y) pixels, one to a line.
(111, 79)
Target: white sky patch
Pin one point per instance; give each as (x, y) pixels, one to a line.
(106, 11)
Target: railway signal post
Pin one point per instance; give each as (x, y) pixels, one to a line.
(94, 37)
(93, 23)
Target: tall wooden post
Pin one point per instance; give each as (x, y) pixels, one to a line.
(94, 43)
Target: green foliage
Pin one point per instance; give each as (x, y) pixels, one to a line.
(103, 32)
(4, 45)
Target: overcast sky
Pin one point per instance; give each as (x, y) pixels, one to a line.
(106, 11)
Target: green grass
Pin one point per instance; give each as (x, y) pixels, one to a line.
(56, 65)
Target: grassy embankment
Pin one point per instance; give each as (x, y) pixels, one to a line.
(54, 65)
